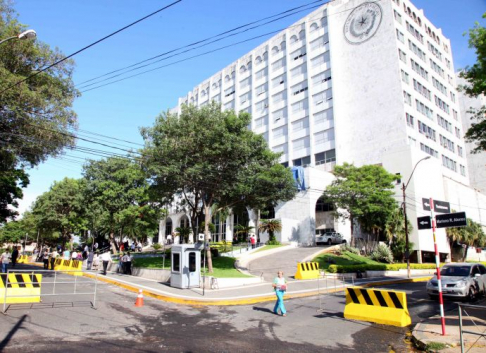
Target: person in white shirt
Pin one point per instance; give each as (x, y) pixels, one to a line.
(106, 258)
(5, 260)
(74, 255)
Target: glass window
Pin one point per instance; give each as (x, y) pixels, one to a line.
(176, 262)
(192, 262)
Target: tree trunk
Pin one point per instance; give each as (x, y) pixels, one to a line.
(113, 242)
(207, 219)
(465, 253)
(220, 230)
(353, 241)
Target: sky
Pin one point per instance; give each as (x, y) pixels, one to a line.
(118, 110)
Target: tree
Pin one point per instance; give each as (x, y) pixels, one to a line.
(61, 208)
(395, 233)
(119, 189)
(270, 226)
(206, 156)
(476, 78)
(470, 235)
(362, 195)
(36, 115)
(242, 232)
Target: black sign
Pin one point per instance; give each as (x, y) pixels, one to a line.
(451, 220)
(424, 222)
(439, 206)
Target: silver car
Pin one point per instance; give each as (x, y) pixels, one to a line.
(461, 280)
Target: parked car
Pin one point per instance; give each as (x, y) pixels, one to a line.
(330, 238)
(461, 280)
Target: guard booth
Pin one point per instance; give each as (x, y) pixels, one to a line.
(186, 265)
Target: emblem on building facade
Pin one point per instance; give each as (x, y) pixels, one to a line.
(362, 23)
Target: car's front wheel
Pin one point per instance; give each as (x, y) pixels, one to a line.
(471, 294)
(329, 242)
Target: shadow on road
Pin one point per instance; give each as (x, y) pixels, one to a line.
(11, 333)
(266, 310)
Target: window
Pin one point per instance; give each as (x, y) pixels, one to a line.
(407, 98)
(422, 108)
(463, 169)
(280, 148)
(419, 69)
(279, 97)
(301, 143)
(299, 54)
(441, 104)
(300, 124)
(325, 157)
(446, 143)
(439, 86)
(281, 131)
(405, 77)
(299, 88)
(260, 106)
(417, 51)
(398, 17)
(176, 262)
(229, 106)
(322, 97)
(244, 98)
(400, 36)
(426, 130)
(245, 83)
(444, 123)
(278, 81)
(299, 106)
(242, 69)
(454, 114)
(429, 150)
(322, 77)
(324, 136)
(437, 68)
(279, 115)
(261, 89)
(299, 70)
(448, 63)
(434, 51)
(458, 132)
(261, 121)
(459, 151)
(293, 39)
(192, 262)
(321, 59)
(402, 56)
(229, 91)
(258, 60)
(449, 163)
(314, 27)
(278, 64)
(275, 50)
(421, 89)
(323, 116)
(414, 32)
(453, 97)
(319, 42)
(410, 120)
(261, 74)
(304, 161)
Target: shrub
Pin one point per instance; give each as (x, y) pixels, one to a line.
(350, 249)
(273, 242)
(382, 254)
(377, 267)
(156, 246)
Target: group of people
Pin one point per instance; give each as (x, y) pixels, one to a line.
(9, 256)
(125, 264)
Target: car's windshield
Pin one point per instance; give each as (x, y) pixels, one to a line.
(460, 271)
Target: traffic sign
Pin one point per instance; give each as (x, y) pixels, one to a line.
(449, 220)
(424, 222)
(439, 206)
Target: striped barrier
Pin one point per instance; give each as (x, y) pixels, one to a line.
(375, 305)
(23, 259)
(76, 265)
(57, 263)
(307, 270)
(22, 288)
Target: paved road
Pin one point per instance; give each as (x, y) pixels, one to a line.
(285, 261)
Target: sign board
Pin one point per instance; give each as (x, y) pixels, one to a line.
(424, 223)
(451, 220)
(439, 206)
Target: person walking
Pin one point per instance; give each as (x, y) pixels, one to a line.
(90, 260)
(106, 258)
(121, 264)
(128, 264)
(253, 241)
(45, 259)
(53, 257)
(15, 255)
(5, 260)
(280, 286)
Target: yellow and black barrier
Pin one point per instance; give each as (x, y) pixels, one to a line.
(22, 288)
(23, 259)
(375, 305)
(69, 265)
(307, 270)
(76, 265)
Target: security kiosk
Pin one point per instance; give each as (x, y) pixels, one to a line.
(186, 265)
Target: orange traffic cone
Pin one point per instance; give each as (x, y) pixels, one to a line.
(139, 301)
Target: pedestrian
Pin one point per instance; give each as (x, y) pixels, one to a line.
(132, 247)
(15, 255)
(45, 259)
(106, 258)
(90, 260)
(95, 247)
(66, 255)
(169, 239)
(253, 241)
(128, 264)
(53, 257)
(121, 264)
(139, 247)
(5, 260)
(96, 261)
(280, 286)
(74, 255)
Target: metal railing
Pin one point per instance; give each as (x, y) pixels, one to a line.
(326, 277)
(57, 281)
(462, 331)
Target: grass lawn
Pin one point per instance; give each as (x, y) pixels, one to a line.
(347, 258)
(268, 247)
(223, 266)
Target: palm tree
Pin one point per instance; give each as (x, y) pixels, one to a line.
(184, 233)
(243, 230)
(270, 226)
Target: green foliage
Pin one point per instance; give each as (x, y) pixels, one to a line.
(471, 235)
(363, 194)
(156, 246)
(224, 267)
(184, 233)
(270, 226)
(382, 254)
(242, 232)
(476, 85)
(350, 249)
(209, 156)
(36, 117)
(398, 248)
(377, 267)
(435, 346)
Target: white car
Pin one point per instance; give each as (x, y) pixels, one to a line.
(460, 280)
(330, 238)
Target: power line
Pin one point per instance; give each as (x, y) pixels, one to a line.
(89, 46)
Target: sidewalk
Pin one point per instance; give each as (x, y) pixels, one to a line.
(430, 331)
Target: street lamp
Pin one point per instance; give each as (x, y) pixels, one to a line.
(404, 187)
(28, 34)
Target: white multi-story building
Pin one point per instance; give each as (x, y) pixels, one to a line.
(359, 82)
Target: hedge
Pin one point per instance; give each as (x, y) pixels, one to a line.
(380, 267)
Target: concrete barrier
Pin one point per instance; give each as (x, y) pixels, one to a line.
(307, 270)
(22, 288)
(380, 306)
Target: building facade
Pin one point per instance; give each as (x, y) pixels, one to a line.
(358, 82)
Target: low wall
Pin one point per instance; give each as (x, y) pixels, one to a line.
(230, 282)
